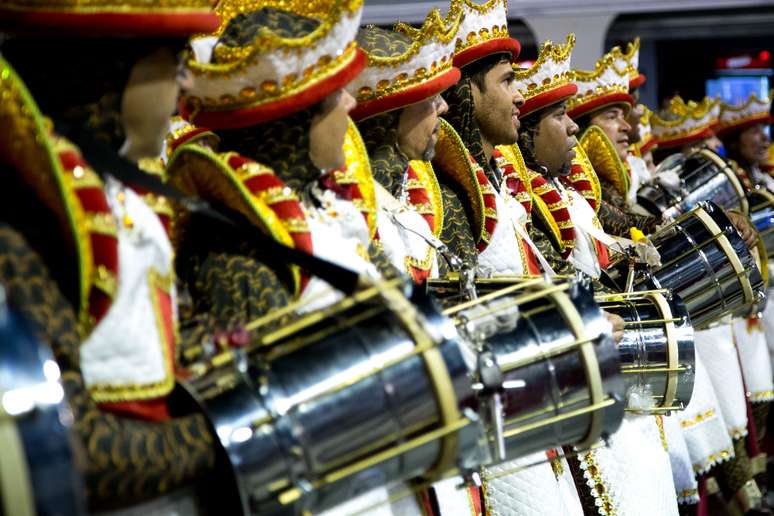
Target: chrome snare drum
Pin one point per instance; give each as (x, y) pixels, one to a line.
(703, 175)
(704, 261)
(560, 374)
(369, 391)
(38, 471)
(657, 349)
(762, 216)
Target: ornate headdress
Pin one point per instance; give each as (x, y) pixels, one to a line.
(301, 52)
(648, 140)
(483, 31)
(686, 122)
(753, 111)
(632, 58)
(606, 85)
(405, 65)
(109, 17)
(549, 79)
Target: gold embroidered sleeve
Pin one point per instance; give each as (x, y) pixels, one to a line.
(456, 234)
(126, 460)
(616, 218)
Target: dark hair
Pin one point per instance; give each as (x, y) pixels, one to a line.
(478, 69)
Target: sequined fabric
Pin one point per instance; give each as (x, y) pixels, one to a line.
(615, 216)
(126, 460)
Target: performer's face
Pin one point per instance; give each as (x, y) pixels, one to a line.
(612, 120)
(328, 129)
(496, 105)
(554, 141)
(418, 128)
(754, 144)
(148, 101)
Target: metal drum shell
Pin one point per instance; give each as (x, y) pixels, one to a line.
(704, 176)
(697, 266)
(556, 379)
(649, 344)
(40, 437)
(316, 426)
(762, 216)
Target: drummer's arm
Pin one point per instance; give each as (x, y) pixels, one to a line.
(743, 224)
(560, 266)
(616, 219)
(126, 460)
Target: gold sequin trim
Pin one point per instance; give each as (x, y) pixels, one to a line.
(105, 280)
(661, 433)
(687, 423)
(115, 393)
(422, 264)
(102, 223)
(599, 489)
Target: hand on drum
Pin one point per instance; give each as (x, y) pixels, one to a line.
(745, 228)
(618, 326)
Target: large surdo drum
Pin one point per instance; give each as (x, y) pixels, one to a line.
(560, 373)
(703, 175)
(762, 216)
(657, 349)
(369, 391)
(705, 262)
(38, 472)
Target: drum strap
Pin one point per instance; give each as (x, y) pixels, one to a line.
(15, 489)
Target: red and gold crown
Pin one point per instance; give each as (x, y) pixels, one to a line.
(686, 122)
(118, 18)
(606, 85)
(275, 74)
(483, 31)
(405, 65)
(632, 58)
(549, 79)
(753, 111)
(648, 140)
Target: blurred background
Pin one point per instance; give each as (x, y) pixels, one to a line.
(688, 47)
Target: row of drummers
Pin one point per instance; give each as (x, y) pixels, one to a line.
(520, 198)
(411, 277)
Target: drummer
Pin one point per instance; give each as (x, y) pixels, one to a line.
(288, 134)
(547, 141)
(483, 113)
(685, 127)
(742, 128)
(84, 260)
(400, 125)
(600, 108)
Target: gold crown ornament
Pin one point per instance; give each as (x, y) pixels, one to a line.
(606, 85)
(753, 111)
(405, 65)
(300, 52)
(483, 31)
(549, 79)
(685, 122)
(648, 140)
(632, 58)
(116, 18)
